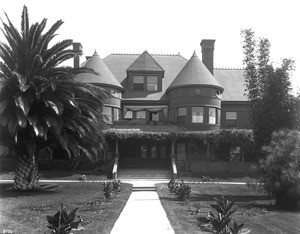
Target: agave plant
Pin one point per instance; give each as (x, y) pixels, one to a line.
(40, 103)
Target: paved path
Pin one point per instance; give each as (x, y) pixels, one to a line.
(143, 213)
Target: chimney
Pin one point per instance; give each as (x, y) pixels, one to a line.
(208, 54)
(77, 47)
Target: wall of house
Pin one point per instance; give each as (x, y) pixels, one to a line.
(242, 109)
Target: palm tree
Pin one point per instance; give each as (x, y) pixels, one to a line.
(40, 103)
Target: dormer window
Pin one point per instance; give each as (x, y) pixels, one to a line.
(138, 83)
(145, 74)
(145, 83)
(152, 83)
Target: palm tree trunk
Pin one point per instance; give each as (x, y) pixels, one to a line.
(26, 174)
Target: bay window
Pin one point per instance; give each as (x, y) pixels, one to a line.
(197, 115)
(212, 116)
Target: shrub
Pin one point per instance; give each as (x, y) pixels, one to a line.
(108, 190)
(62, 222)
(220, 222)
(279, 171)
(173, 185)
(116, 184)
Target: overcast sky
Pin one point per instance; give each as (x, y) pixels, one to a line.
(170, 26)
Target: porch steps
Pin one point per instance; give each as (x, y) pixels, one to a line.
(143, 188)
(144, 174)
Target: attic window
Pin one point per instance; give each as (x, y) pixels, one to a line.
(138, 83)
(151, 83)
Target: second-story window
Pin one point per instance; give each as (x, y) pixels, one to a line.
(108, 115)
(231, 119)
(212, 117)
(128, 114)
(181, 115)
(197, 115)
(138, 83)
(141, 114)
(152, 83)
(153, 116)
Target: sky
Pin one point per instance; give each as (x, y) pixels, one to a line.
(170, 26)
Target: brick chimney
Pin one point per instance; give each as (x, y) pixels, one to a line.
(208, 46)
(77, 47)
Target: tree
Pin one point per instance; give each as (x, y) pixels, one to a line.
(40, 103)
(268, 89)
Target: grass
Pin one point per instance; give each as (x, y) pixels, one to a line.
(253, 209)
(25, 212)
(59, 175)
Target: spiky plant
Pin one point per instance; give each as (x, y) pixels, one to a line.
(40, 103)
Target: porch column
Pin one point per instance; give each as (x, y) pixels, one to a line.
(207, 152)
(116, 162)
(117, 149)
(173, 149)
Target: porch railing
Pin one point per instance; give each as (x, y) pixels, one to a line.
(174, 168)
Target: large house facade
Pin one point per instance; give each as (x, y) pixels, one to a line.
(167, 93)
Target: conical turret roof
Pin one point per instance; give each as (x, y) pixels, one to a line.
(194, 73)
(145, 62)
(103, 77)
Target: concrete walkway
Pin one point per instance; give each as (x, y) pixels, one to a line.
(143, 213)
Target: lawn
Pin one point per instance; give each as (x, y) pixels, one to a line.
(25, 212)
(59, 175)
(253, 209)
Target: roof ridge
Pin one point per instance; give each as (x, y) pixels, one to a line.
(156, 54)
(228, 68)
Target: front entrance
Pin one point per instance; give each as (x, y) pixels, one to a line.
(144, 155)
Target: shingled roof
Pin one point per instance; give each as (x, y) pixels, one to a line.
(104, 76)
(194, 73)
(231, 80)
(171, 64)
(145, 62)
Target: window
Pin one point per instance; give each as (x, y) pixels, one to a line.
(141, 114)
(197, 115)
(153, 152)
(212, 116)
(108, 116)
(231, 119)
(153, 116)
(171, 115)
(181, 115)
(138, 83)
(116, 114)
(152, 83)
(143, 151)
(128, 115)
(218, 116)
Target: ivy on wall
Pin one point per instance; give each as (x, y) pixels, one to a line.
(228, 137)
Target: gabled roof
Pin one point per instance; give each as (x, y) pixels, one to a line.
(194, 73)
(145, 62)
(104, 76)
(118, 64)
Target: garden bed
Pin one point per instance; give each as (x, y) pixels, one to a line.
(255, 210)
(25, 212)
